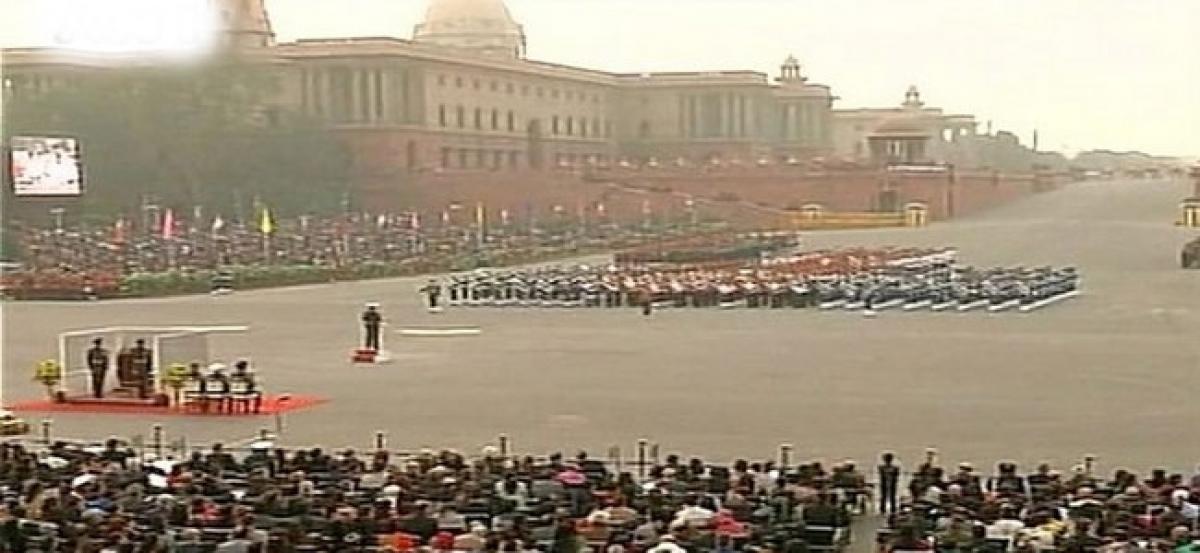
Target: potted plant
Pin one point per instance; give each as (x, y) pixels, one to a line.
(49, 373)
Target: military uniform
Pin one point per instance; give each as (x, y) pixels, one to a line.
(97, 360)
(371, 322)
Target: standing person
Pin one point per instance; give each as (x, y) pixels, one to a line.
(97, 360)
(372, 320)
(889, 482)
(433, 293)
(142, 362)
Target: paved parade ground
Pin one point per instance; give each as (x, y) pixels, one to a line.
(1115, 372)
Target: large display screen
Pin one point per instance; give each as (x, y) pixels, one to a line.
(46, 166)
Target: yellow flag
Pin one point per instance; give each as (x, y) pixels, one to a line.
(266, 225)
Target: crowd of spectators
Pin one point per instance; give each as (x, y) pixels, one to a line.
(73, 499)
(1045, 510)
(98, 257)
(109, 498)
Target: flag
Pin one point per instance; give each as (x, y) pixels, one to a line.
(265, 224)
(168, 225)
(217, 224)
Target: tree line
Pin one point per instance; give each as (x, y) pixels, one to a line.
(215, 136)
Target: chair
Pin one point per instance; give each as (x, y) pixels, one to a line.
(244, 393)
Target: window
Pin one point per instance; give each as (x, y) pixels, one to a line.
(495, 119)
(583, 127)
(524, 90)
(475, 83)
(442, 115)
(512, 122)
(441, 80)
(458, 82)
(540, 92)
(513, 158)
(596, 128)
(570, 126)
(554, 125)
(478, 118)
(494, 86)
(509, 88)
(644, 129)
(570, 95)
(445, 158)
(554, 94)
(462, 159)
(462, 117)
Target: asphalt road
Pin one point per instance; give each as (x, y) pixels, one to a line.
(1115, 372)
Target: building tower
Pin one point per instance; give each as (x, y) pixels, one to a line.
(482, 26)
(789, 72)
(912, 98)
(244, 24)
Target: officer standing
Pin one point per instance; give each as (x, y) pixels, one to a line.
(97, 360)
(372, 320)
(142, 360)
(889, 482)
(433, 293)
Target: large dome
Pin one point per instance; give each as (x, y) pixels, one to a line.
(485, 26)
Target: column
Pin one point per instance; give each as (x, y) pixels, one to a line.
(682, 107)
(741, 115)
(750, 117)
(726, 112)
(382, 76)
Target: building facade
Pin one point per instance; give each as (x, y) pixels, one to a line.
(460, 94)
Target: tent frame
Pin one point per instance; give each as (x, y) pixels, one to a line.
(151, 334)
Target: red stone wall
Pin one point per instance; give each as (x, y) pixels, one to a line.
(394, 175)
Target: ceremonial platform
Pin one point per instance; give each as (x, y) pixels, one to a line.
(271, 405)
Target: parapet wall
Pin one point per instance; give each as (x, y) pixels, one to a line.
(738, 195)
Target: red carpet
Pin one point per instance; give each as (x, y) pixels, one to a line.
(271, 405)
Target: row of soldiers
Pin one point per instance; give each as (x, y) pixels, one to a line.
(938, 282)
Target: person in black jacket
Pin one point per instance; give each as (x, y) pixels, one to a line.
(97, 360)
(889, 482)
(372, 320)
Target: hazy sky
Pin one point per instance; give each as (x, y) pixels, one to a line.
(1119, 74)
